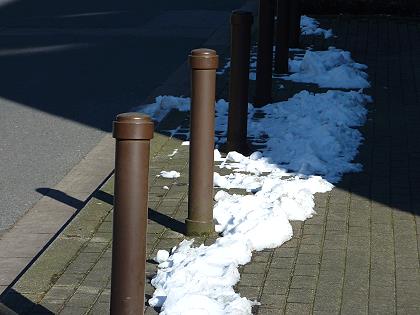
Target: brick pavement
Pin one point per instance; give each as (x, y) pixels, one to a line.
(358, 255)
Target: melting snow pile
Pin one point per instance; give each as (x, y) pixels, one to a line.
(162, 105)
(333, 68)
(308, 134)
(310, 26)
(314, 133)
(310, 141)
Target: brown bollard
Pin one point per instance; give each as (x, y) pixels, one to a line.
(294, 24)
(240, 47)
(204, 63)
(132, 132)
(264, 53)
(281, 57)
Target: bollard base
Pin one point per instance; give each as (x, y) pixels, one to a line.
(198, 228)
(242, 148)
(260, 102)
(284, 69)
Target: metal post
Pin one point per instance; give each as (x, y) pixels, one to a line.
(281, 58)
(265, 53)
(132, 132)
(294, 24)
(204, 63)
(241, 22)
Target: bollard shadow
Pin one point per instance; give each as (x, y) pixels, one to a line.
(166, 221)
(153, 215)
(14, 303)
(62, 197)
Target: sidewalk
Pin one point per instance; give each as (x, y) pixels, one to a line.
(358, 255)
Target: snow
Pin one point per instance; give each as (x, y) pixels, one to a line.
(199, 280)
(333, 68)
(173, 153)
(162, 106)
(169, 174)
(307, 136)
(225, 67)
(314, 133)
(161, 256)
(309, 142)
(310, 26)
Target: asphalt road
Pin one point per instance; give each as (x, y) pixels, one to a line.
(67, 68)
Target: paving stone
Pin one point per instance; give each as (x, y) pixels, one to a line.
(278, 274)
(309, 249)
(251, 293)
(308, 259)
(74, 310)
(275, 287)
(282, 263)
(306, 270)
(82, 299)
(250, 279)
(301, 295)
(300, 282)
(297, 308)
(255, 268)
(53, 306)
(267, 311)
(60, 293)
(284, 252)
(100, 309)
(273, 300)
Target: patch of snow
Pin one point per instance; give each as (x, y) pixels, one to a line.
(173, 153)
(161, 256)
(163, 105)
(225, 67)
(199, 280)
(310, 26)
(169, 174)
(333, 68)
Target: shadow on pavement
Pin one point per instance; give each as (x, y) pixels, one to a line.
(62, 197)
(14, 303)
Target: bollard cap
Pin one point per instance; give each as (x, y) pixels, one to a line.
(241, 17)
(132, 126)
(204, 59)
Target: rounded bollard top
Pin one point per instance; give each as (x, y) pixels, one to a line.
(241, 17)
(132, 126)
(204, 59)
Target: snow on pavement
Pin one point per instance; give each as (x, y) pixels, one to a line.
(310, 26)
(169, 174)
(308, 134)
(310, 141)
(333, 68)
